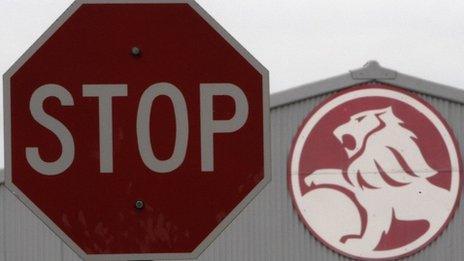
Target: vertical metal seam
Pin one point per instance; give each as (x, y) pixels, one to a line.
(4, 221)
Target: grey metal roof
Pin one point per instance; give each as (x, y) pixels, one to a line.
(372, 71)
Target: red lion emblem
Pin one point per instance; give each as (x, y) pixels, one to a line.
(374, 172)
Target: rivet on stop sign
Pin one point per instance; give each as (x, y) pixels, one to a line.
(136, 51)
(139, 204)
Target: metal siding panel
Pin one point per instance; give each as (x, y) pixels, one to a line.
(2, 224)
(68, 254)
(27, 238)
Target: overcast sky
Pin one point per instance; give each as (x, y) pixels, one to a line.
(301, 41)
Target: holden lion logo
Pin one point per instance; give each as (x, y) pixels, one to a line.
(374, 173)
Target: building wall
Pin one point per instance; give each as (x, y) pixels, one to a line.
(267, 229)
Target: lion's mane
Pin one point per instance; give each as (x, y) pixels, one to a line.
(389, 156)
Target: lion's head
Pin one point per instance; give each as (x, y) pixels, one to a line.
(377, 143)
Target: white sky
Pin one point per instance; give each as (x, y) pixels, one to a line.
(301, 41)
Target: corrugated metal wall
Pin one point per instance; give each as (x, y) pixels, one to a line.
(268, 228)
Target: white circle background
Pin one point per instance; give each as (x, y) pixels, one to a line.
(375, 92)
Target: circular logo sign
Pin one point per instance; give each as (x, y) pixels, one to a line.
(374, 172)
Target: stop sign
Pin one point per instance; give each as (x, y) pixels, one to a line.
(136, 130)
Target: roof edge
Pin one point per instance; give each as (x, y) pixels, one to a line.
(372, 71)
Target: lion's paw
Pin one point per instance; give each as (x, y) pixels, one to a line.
(355, 243)
(312, 180)
(358, 243)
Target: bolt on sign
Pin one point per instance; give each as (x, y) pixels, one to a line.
(374, 172)
(136, 129)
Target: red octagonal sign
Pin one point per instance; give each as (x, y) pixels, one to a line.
(136, 130)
